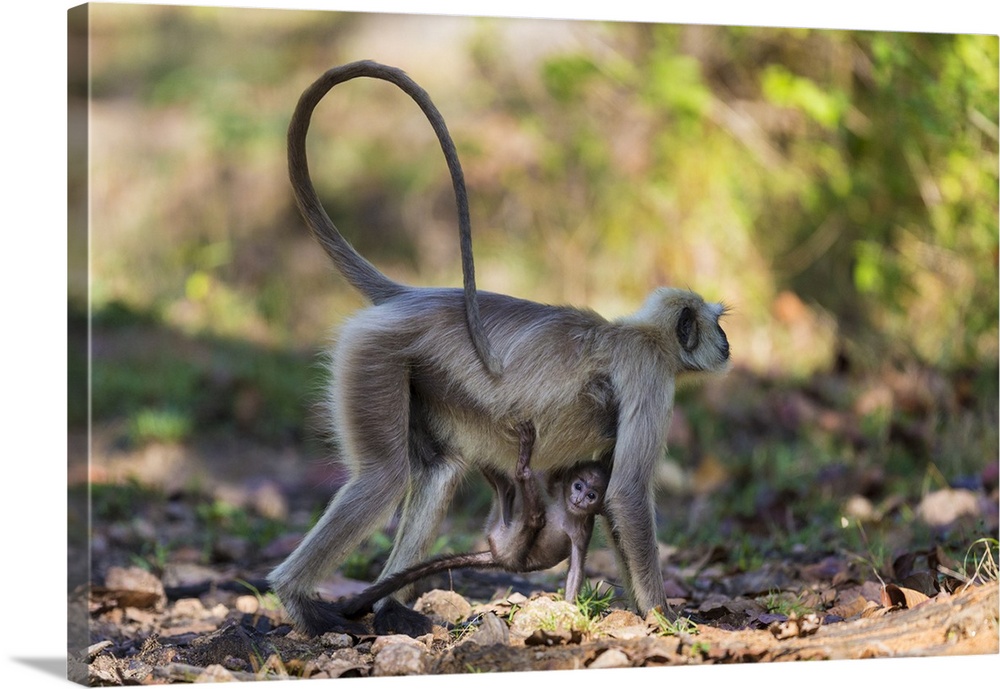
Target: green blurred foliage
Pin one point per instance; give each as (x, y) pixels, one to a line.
(875, 158)
(169, 387)
(838, 189)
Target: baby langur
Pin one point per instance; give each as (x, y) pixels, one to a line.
(526, 531)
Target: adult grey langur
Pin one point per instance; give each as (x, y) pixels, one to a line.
(414, 407)
(537, 521)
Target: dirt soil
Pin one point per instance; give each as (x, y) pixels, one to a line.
(168, 574)
(148, 633)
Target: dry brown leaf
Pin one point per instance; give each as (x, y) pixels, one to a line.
(894, 596)
(874, 610)
(850, 608)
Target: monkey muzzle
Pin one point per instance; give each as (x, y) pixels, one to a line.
(580, 505)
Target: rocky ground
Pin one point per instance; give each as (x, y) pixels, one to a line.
(151, 630)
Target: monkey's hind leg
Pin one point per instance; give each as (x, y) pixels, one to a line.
(432, 484)
(359, 506)
(379, 458)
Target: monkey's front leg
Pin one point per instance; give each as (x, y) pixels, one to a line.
(577, 555)
(631, 520)
(521, 546)
(629, 505)
(534, 508)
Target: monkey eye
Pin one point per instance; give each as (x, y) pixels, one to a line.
(592, 495)
(577, 486)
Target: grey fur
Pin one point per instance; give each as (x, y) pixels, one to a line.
(413, 407)
(365, 277)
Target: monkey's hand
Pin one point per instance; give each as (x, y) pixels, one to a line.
(392, 617)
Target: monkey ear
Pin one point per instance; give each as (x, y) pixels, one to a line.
(687, 329)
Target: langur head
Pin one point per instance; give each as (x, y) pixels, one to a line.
(585, 489)
(690, 325)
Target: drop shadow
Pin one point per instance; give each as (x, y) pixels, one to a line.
(50, 666)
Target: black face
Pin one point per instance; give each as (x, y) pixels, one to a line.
(724, 344)
(692, 334)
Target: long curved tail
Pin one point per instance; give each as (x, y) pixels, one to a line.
(365, 277)
(363, 602)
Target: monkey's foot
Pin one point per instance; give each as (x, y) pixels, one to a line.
(317, 617)
(395, 618)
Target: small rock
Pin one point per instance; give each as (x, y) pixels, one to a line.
(398, 659)
(247, 604)
(636, 631)
(623, 624)
(326, 666)
(350, 655)
(335, 640)
(189, 607)
(491, 631)
(617, 619)
(383, 642)
(219, 611)
(501, 607)
(443, 607)
(555, 619)
(611, 658)
(136, 588)
(215, 673)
